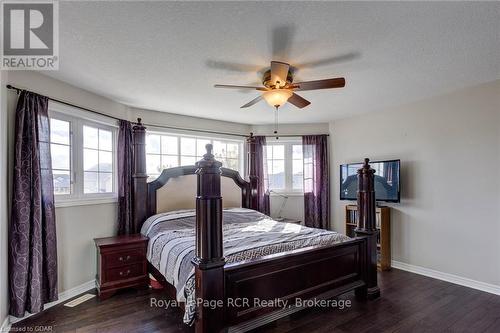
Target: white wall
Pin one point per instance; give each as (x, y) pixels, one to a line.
(449, 146)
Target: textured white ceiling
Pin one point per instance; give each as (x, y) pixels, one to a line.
(167, 55)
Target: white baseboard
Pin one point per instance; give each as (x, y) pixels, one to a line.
(63, 297)
(483, 286)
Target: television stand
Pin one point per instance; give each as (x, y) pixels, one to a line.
(383, 223)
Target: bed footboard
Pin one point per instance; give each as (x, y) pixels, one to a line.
(253, 287)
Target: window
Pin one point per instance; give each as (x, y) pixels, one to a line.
(167, 150)
(60, 148)
(285, 166)
(83, 157)
(97, 160)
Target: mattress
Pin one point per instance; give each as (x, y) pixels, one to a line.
(247, 234)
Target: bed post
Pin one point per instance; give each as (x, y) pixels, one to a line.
(140, 178)
(252, 172)
(209, 260)
(367, 229)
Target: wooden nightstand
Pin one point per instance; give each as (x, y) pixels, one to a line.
(121, 263)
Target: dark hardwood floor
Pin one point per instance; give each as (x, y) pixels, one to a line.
(409, 303)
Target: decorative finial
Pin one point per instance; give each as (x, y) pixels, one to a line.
(367, 161)
(209, 148)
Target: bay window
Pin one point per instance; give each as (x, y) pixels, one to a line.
(170, 150)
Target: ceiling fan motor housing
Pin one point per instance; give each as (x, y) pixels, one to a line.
(266, 80)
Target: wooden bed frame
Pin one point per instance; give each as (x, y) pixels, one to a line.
(312, 272)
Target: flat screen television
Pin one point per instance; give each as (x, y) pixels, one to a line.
(386, 180)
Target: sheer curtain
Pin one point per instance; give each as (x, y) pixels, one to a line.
(125, 165)
(316, 181)
(261, 163)
(32, 232)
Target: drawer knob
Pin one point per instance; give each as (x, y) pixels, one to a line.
(125, 273)
(122, 259)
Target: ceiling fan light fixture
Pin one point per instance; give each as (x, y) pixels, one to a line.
(277, 97)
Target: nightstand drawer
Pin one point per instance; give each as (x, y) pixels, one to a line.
(124, 258)
(126, 272)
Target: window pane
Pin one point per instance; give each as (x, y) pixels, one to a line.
(188, 147)
(277, 181)
(298, 176)
(90, 160)
(105, 161)
(105, 140)
(168, 161)
(269, 152)
(168, 145)
(223, 161)
(153, 164)
(188, 160)
(90, 182)
(60, 156)
(277, 175)
(90, 137)
(219, 150)
(297, 152)
(232, 150)
(59, 131)
(278, 167)
(152, 144)
(105, 182)
(200, 147)
(278, 152)
(233, 164)
(62, 182)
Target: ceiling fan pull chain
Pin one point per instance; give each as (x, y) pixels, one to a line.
(276, 122)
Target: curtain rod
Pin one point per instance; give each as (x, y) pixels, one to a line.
(18, 90)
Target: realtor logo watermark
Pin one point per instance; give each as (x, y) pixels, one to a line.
(30, 35)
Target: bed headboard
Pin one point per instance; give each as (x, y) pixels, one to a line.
(176, 189)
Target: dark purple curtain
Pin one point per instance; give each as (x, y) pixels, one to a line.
(32, 232)
(261, 163)
(316, 181)
(125, 165)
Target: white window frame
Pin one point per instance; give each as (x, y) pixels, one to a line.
(198, 135)
(288, 144)
(78, 118)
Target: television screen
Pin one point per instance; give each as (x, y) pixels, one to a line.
(386, 180)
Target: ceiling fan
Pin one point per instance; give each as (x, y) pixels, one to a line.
(279, 88)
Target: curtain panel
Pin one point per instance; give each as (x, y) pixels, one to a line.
(316, 181)
(32, 232)
(261, 163)
(125, 169)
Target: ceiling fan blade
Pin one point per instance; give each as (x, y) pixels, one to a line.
(281, 39)
(298, 101)
(231, 86)
(279, 73)
(320, 84)
(332, 60)
(252, 102)
(232, 66)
